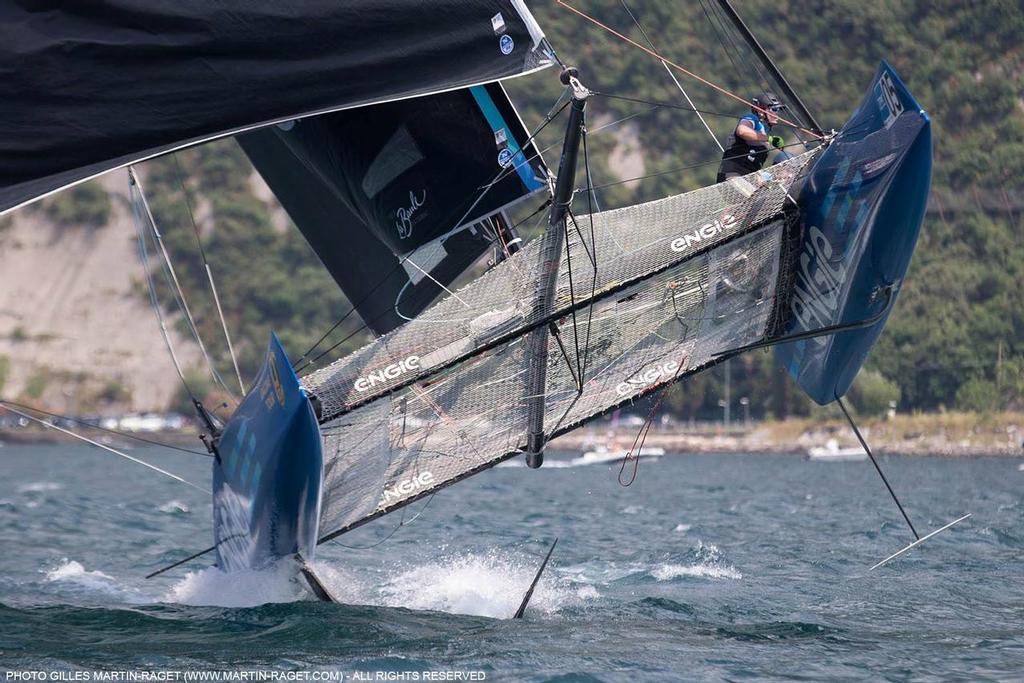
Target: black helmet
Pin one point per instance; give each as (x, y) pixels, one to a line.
(766, 100)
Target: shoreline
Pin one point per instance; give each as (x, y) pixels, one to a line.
(944, 434)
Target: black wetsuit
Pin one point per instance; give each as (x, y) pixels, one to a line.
(741, 157)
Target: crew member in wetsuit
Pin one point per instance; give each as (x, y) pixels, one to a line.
(747, 148)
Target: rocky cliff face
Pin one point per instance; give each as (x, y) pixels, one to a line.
(76, 331)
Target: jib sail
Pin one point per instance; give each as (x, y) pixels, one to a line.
(391, 196)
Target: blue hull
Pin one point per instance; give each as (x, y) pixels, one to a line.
(861, 212)
(267, 479)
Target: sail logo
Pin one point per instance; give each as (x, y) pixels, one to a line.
(647, 377)
(707, 231)
(388, 373)
(816, 293)
(403, 217)
(506, 44)
(407, 486)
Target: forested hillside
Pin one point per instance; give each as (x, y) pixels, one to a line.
(956, 338)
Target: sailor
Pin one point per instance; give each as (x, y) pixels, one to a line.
(747, 148)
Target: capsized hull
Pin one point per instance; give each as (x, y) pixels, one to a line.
(861, 212)
(268, 477)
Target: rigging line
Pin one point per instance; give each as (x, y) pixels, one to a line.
(191, 557)
(659, 103)
(672, 75)
(578, 376)
(583, 241)
(154, 302)
(756, 61)
(104, 429)
(874, 462)
(780, 79)
(593, 247)
(715, 28)
(645, 429)
(676, 66)
(398, 526)
(679, 169)
(209, 271)
(177, 285)
(593, 280)
(364, 325)
(552, 114)
(726, 35)
(104, 447)
(730, 34)
(432, 279)
(170, 276)
(616, 122)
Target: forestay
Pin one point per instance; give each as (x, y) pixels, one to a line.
(677, 281)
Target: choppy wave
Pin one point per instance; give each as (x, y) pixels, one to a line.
(72, 576)
(626, 597)
(173, 507)
(667, 572)
(39, 487)
(707, 565)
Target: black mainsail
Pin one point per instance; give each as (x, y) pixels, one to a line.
(91, 87)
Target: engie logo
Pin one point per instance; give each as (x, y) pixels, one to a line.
(388, 373)
(815, 296)
(647, 377)
(705, 232)
(407, 486)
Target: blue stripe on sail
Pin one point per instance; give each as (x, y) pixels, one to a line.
(494, 118)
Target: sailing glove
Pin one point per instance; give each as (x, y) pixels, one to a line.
(776, 141)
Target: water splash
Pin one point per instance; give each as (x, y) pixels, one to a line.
(40, 487)
(247, 588)
(72, 575)
(489, 584)
(174, 507)
(708, 565)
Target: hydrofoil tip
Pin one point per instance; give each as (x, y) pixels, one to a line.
(919, 541)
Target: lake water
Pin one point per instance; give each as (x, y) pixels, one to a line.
(736, 567)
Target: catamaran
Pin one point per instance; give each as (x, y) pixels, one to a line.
(384, 131)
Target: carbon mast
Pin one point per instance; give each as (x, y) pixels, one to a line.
(550, 258)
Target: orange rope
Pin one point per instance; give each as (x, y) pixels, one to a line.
(682, 69)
